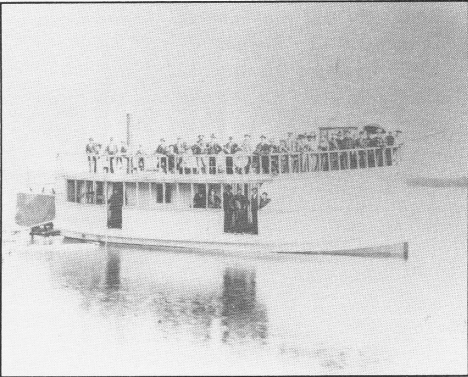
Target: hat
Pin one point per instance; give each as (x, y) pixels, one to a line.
(246, 135)
(230, 137)
(162, 139)
(213, 136)
(290, 133)
(263, 137)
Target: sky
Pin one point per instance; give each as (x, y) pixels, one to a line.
(71, 72)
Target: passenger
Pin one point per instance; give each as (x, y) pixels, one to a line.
(380, 136)
(347, 143)
(230, 148)
(199, 200)
(362, 144)
(283, 150)
(263, 150)
(91, 151)
(141, 153)
(372, 145)
(213, 148)
(228, 207)
(178, 151)
(264, 200)
(247, 149)
(125, 156)
(333, 146)
(303, 148)
(111, 151)
(312, 146)
(171, 159)
(240, 212)
(291, 143)
(254, 201)
(324, 156)
(274, 150)
(214, 200)
(200, 150)
(162, 150)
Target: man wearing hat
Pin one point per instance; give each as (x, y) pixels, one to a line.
(254, 201)
(91, 151)
(230, 148)
(248, 150)
(263, 149)
(213, 148)
(228, 207)
(162, 150)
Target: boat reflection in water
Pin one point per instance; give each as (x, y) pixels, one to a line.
(242, 315)
(214, 302)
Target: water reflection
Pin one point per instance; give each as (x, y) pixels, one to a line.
(217, 302)
(113, 271)
(242, 315)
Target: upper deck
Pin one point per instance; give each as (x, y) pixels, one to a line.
(221, 168)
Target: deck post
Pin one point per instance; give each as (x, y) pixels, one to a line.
(76, 191)
(123, 194)
(191, 195)
(137, 194)
(206, 195)
(367, 158)
(164, 192)
(150, 194)
(177, 192)
(289, 164)
(222, 195)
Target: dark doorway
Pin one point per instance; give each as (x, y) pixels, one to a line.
(115, 203)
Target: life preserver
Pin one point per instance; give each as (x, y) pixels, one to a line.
(240, 160)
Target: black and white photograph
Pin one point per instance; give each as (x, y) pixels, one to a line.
(234, 188)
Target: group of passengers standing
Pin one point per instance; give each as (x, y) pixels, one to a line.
(294, 153)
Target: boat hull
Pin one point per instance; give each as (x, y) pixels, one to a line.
(346, 213)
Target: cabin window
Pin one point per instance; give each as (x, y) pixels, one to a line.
(131, 194)
(80, 191)
(169, 192)
(144, 194)
(99, 192)
(71, 190)
(185, 196)
(157, 192)
(89, 192)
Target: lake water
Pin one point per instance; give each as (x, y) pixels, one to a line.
(74, 309)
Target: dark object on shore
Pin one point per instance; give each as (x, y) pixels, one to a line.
(45, 230)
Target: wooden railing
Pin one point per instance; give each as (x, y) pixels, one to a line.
(272, 163)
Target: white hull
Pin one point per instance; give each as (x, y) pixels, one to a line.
(347, 212)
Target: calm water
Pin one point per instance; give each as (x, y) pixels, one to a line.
(73, 309)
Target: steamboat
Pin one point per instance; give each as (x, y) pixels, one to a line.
(318, 202)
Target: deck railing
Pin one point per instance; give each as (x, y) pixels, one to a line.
(272, 163)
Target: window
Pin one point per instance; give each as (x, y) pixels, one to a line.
(170, 187)
(71, 190)
(80, 191)
(157, 192)
(130, 194)
(144, 194)
(89, 192)
(99, 192)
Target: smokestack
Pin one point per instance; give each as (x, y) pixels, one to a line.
(128, 129)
